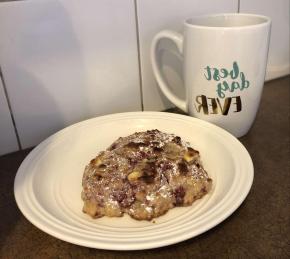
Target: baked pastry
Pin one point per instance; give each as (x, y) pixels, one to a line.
(144, 175)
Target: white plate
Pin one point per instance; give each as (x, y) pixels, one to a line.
(48, 183)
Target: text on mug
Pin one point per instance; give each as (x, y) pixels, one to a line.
(238, 79)
(216, 106)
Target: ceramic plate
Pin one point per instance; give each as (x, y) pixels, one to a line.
(48, 183)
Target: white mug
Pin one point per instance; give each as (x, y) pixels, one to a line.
(224, 65)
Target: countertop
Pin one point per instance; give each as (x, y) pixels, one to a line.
(258, 229)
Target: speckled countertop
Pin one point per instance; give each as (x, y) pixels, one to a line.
(258, 229)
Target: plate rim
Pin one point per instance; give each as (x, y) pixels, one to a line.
(141, 115)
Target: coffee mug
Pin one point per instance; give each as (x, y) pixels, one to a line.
(224, 66)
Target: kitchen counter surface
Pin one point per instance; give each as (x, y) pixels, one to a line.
(258, 229)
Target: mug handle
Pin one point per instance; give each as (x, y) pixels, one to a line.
(177, 38)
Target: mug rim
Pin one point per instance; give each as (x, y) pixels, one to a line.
(267, 21)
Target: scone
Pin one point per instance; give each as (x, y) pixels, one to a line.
(144, 175)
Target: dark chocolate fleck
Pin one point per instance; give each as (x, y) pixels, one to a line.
(149, 172)
(179, 194)
(119, 196)
(113, 146)
(139, 155)
(153, 131)
(93, 161)
(157, 149)
(136, 145)
(182, 166)
(97, 177)
(177, 140)
(165, 165)
(192, 151)
(102, 166)
(132, 161)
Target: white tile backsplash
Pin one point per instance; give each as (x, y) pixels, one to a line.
(154, 16)
(8, 141)
(68, 60)
(278, 11)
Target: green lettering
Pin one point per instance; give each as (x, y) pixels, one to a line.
(235, 72)
(221, 87)
(224, 73)
(216, 76)
(208, 75)
(235, 85)
(245, 83)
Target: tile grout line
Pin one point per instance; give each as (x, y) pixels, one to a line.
(139, 54)
(10, 109)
